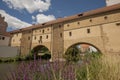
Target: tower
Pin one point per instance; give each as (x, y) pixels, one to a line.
(112, 2)
(3, 25)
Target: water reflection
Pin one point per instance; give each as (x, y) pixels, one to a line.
(5, 68)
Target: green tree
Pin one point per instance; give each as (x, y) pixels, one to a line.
(72, 54)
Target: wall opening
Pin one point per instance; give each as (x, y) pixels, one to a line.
(41, 52)
(78, 50)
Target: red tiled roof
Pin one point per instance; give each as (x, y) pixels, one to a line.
(59, 20)
(5, 34)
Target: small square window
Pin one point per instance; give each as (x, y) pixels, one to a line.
(29, 38)
(105, 17)
(88, 30)
(59, 26)
(80, 14)
(43, 31)
(43, 24)
(78, 23)
(35, 38)
(60, 34)
(3, 38)
(68, 25)
(118, 24)
(46, 36)
(40, 37)
(70, 33)
(90, 20)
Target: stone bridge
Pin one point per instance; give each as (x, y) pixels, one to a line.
(99, 28)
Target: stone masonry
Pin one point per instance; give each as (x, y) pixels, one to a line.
(100, 28)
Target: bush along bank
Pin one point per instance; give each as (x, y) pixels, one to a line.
(24, 58)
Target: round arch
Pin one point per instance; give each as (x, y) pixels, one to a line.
(79, 43)
(42, 52)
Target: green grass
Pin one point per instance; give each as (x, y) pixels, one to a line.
(105, 68)
(92, 67)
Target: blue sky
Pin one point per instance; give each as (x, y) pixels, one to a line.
(22, 13)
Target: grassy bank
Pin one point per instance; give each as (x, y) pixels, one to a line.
(106, 67)
(13, 59)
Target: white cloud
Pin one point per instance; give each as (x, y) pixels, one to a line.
(13, 22)
(29, 5)
(41, 18)
(33, 17)
(112, 2)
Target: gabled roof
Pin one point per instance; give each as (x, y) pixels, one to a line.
(85, 14)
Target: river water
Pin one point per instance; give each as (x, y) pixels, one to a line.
(5, 68)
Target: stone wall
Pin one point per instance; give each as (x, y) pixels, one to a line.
(42, 36)
(101, 30)
(26, 42)
(6, 51)
(4, 40)
(58, 42)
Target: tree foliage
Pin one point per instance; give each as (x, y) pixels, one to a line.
(72, 54)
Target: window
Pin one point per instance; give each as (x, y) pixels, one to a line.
(80, 15)
(90, 20)
(43, 24)
(20, 40)
(78, 23)
(48, 29)
(105, 17)
(40, 30)
(40, 41)
(60, 34)
(35, 38)
(68, 25)
(29, 38)
(13, 40)
(3, 38)
(40, 37)
(88, 30)
(43, 31)
(59, 26)
(118, 24)
(70, 33)
(46, 36)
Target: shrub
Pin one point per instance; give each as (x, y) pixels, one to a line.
(106, 67)
(0, 60)
(72, 54)
(46, 56)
